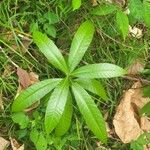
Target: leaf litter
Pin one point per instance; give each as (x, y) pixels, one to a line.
(128, 123)
(25, 80)
(3, 143)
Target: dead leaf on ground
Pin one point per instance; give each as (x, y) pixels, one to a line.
(129, 125)
(15, 145)
(3, 143)
(135, 32)
(135, 68)
(25, 80)
(94, 2)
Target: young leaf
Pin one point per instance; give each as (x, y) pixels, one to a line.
(50, 50)
(80, 43)
(50, 30)
(93, 86)
(101, 70)
(104, 10)
(51, 17)
(76, 4)
(56, 106)
(145, 109)
(38, 139)
(33, 94)
(65, 120)
(21, 119)
(90, 112)
(123, 23)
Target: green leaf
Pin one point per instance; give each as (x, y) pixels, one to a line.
(65, 120)
(50, 50)
(56, 106)
(146, 91)
(122, 23)
(93, 86)
(142, 140)
(21, 119)
(90, 112)
(33, 94)
(101, 70)
(145, 109)
(51, 17)
(33, 27)
(147, 13)
(136, 9)
(76, 4)
(50, 30)
(80, 43)
(104, 10)
(38, 139)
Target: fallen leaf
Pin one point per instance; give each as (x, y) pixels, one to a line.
(135, 32)
(129, 125)
(94, 2)
(135, 68)
(25, 80)
(15, 145)
(3, 143)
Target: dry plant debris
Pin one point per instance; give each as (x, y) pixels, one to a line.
(129, 125)
(15, 145)
(25, 80)
(3, 143)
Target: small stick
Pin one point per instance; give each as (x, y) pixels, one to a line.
(137, 79)
(8, 57)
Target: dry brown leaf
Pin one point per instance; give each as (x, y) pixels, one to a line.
(128, 124)
(94, 2)
(15, 145)
(135, 32)
(3, 143)
(135, 68)
(25, 80)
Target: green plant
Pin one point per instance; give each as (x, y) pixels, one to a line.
(139, 13)
(72, 86)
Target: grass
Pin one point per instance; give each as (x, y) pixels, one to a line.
(107, 46)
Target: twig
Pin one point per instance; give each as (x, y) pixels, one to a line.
(8, 57)
(137, 79)
(118, 42)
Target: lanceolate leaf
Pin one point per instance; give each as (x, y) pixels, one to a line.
(80, 43)
(76, 4)
(102, 70)
(56, 106)
(50, 50)
(103, 10)
(90, 112)
(123, 23)
(33, 94)
(65, 120)
(93, 86)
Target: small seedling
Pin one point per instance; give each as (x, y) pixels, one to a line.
(74, 86)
